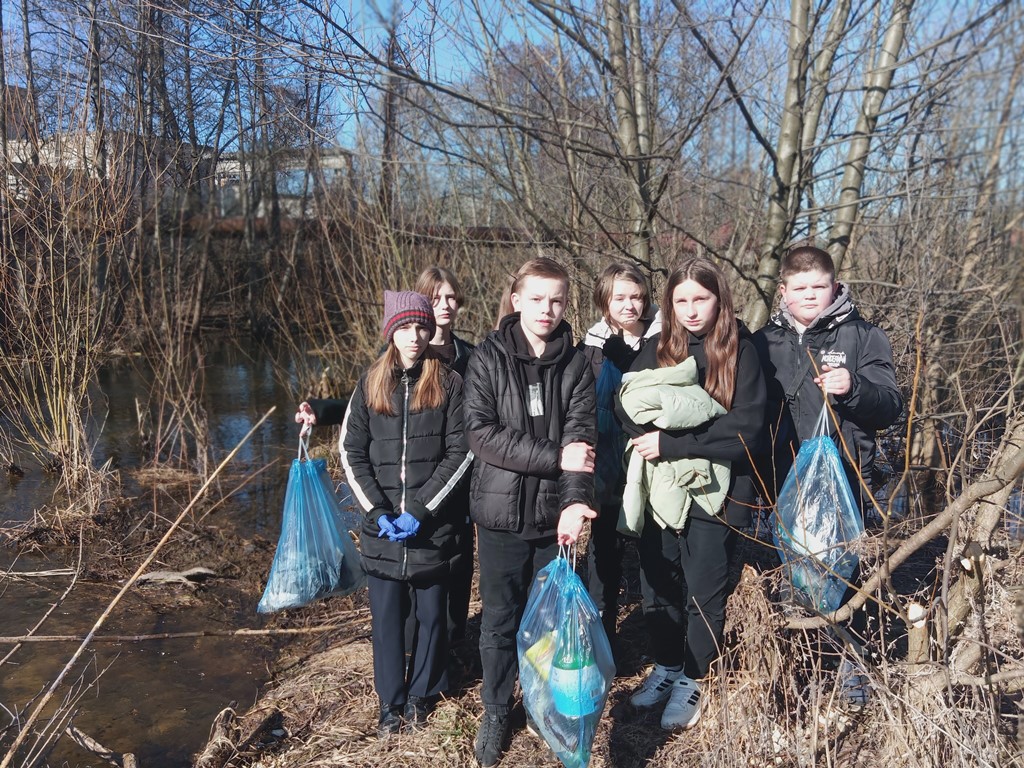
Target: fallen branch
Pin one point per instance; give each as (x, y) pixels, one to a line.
(221, 745)
(177, 635)
(86, 742)
(35, 574)
(1008, 471)
(188, 578)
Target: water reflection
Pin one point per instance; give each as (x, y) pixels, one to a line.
(158, 698)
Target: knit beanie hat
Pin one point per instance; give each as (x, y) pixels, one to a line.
(404, 307)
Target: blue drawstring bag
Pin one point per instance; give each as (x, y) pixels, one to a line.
(565, 662)
(816, 521)
(315, 556)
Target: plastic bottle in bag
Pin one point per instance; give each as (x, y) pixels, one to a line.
(577, 685)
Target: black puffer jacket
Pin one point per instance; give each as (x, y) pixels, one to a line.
(499, 430)
(431, 447)
(839, 338)
(736, 436)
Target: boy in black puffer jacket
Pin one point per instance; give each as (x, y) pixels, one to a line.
(854, 364)
(530, 421)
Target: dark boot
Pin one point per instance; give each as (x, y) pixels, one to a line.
(491, 738)
(390, 721)
(417, 709)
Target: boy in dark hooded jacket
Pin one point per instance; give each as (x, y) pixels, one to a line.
(530, 420)
(854, 364)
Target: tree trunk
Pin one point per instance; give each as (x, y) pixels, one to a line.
(876, 86)
(31, 105)
(624, 63)
(784, 198)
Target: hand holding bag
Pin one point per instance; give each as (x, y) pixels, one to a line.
(816, 521)
(565, 662)
(315, 555)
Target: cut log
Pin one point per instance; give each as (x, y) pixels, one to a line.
(221, 746)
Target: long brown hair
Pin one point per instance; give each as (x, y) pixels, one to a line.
(432, 278)
(721, 344)
(381, 381)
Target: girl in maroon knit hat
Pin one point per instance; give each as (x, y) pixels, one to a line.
(404, 452)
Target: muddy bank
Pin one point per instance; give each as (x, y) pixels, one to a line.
(166, 661)
(324, 700)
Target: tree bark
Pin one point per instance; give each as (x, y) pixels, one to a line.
(876, 86)
(626, 63)
(784, 196)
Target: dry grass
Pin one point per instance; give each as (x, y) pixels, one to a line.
(770, 701)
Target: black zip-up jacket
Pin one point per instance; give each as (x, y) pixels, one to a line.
(736, 436)
(507, 454)
(430, 447)
(463, 350)
(839, 338)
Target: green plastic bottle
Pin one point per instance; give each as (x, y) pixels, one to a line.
(576, 682)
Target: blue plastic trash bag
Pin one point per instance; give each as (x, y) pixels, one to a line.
(315, 555)
(565, 662)
(816, 521)
(350, 516)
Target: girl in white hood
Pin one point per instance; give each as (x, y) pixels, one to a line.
(623, 297)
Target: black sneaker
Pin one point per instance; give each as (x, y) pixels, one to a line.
(417, 709)
(490, 739)
(854, 686)
(390, 721)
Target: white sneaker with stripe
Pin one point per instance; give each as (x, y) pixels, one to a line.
(656, 687)
(683, 708)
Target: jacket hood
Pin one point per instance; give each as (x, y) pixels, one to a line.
(510, 335)
(600, 331)
(840, 311)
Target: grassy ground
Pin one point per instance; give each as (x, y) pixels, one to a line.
(770, 701)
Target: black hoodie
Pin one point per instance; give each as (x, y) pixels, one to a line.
(519, 412)
(737, 436)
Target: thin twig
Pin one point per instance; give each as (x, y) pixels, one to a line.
(179, 635)
(53, 607)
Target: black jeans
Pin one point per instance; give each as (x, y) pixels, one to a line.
(507, 567)
(460, 587)
(604, 565)
(391, 603)
(684, 581)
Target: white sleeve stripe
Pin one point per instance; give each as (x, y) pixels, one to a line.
(353, 484)
(452, 482)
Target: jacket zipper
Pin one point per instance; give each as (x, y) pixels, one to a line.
(405, 440)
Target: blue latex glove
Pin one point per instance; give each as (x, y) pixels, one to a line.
(387, 528)
(405, 526)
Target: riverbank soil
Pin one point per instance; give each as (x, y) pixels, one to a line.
(773, 700)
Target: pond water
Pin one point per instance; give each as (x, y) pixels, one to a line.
(155, 699)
